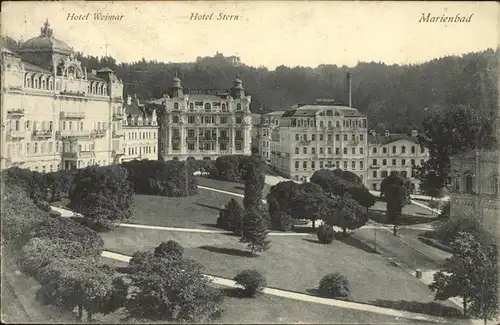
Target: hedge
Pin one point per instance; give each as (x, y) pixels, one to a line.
(162, 178)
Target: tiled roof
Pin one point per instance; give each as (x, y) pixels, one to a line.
(133, 109)
(32, 67)
(93, 77)
(383, 140)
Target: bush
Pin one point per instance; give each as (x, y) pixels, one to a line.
(162, 178)
(333, 286)
(325, 234)
(282, 221)
(251, 281)
(169, 249)
(230, 168)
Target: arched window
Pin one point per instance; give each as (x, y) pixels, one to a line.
(44, 83)
(104, 90)
(176, 106)
(238, 107)
(393, 149)
(89, 88)
(457, 183)
(36, 82)
(403, 149)
(93, 88)
(223, 107)
(208, 107)
(27, 81)
(51, 84)
(469, 186)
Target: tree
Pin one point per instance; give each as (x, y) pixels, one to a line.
(253, 175)
(251, 280)
(350, 214)
(171, 290)
(396, 193)
(231, 217)
(448, 132)
(255, 229)
(102, 195)
(466, 274)
(280, 201)
(310, 203)
(82, 283)
(338, 182)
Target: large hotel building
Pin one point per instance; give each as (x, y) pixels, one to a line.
(319, 136)
(201, 125)
(57, 115)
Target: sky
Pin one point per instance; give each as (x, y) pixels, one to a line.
(267, 33)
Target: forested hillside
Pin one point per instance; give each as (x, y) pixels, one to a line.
(394, 97)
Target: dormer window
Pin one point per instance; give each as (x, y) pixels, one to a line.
(28, 81)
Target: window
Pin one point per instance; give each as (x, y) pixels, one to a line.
(304, 164)
(393, 149)
(175, 119)
(223, 119)
(361, 137)
(360, 151)
(345, 137)
(337, 164)
(403, 149)
(345, 151)
(361, 165)
(394, 162)
(313, 137)
(384, 173)
(353, 150)
(238, 107)
(238, 120)
(337, 137)
(321, 137)
(374, 186)
(337, 151)
(223, 107)
(457, 183)
(321, 150)
(403, 162)
(374, 174)
(337, 124)
(384, 150)
(384, 162)
(353, 137)
(191, 106)
(345, 164)
(208, 107)
(313, 150)
(313, 165)
(321, 165)
(468, 183)
(35, 150)
(413, 149)
(329, 151)
(176, 106)
(296, 151)
(374, 162)
(296, 165)
(412, 162)
(305, 137)
(353, 165)
(304, 150)
(191, 119)
(321, 124)
(374, 150)
(422, 149)
(297, 137)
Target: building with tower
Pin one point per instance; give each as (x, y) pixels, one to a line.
(203, 125)
(55, 114)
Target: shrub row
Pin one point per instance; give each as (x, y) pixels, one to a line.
(232, 168)
(163, 178)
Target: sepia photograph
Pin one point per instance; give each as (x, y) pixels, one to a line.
(250, 162)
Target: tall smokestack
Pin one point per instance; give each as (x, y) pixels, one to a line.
(349, 88)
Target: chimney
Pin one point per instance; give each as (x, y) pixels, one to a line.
(386, 133)
(414, 133)
(349, 88)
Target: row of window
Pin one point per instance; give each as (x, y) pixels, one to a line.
(329, 150)
(305, 122)
(304, 137)
(48, 125)
(468, 183)
(208, 119)
(140, 150)
(210, 146)
(45, 82)
(208, 106)
(402, 150)
(207, 134)
(329, 164)
(385, 173)
(140, 135)
(394, 162)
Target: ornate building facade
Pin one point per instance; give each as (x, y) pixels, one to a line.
(203, 126)
(268, 123)
(396, 152)
(475, 187)
(56, 115)
(320, 136)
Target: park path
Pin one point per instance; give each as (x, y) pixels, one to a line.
(318, 300)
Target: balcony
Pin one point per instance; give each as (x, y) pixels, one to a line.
(73, 134)
(117, 117)
(237, 138)
(15, 112)
(118, 134)
(99, 133)
(77, 155)
(13, 135)
(73, 115)
(42, 134)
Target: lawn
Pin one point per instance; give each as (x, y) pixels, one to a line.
(269, 309)
(228, 186)
(294, 263)
(198, 211)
